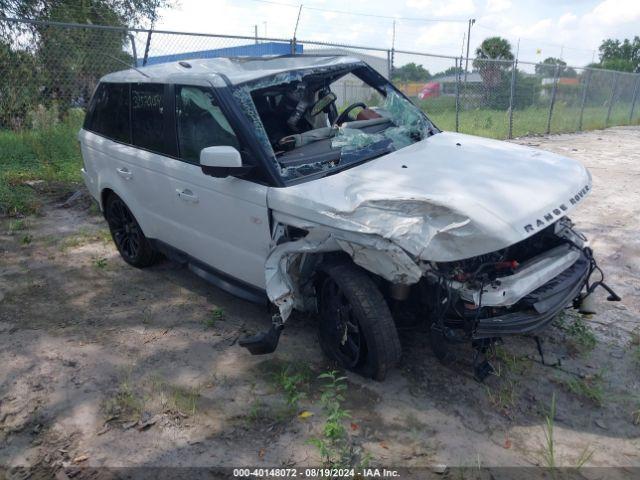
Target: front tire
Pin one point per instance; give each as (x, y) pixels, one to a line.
(130, 241)
(356, 327)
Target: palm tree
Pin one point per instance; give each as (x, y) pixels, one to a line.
(491, 59)
(496, 48)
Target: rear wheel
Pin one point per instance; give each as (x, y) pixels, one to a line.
(356, 327)
(133, 246)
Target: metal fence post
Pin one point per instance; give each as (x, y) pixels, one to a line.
(553, 97)
(514, 68)
(612, 98)
(458, 94)
(133, 48)
(393, 54)
(587, 81)
(146, 48)
(635, 98)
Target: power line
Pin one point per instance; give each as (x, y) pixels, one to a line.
(539, 42)
(360, 14)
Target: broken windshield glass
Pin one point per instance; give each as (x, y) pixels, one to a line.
(303, 143)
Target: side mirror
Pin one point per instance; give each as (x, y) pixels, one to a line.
(221, 161)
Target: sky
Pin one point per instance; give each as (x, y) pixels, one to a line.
(570, 29)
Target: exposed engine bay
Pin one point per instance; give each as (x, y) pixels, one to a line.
(531, 276)
(516, 290)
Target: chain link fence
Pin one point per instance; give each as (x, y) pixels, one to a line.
(50, 69)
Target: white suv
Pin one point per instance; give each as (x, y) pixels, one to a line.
(246, 171)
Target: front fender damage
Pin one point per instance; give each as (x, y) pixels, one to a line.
(389, 239)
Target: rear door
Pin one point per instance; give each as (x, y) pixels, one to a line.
(117, 157)
(105, 134)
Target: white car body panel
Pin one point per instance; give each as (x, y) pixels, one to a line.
(223, 222)
(448, 197)
(235, 70)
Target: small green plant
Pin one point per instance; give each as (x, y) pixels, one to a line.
(584, 457)
(334, 449)
(185, 399)
(516, 364)
(635, 415)
(27, 239)
(636, 355)
(590, 388)
(125, 402)
(291, 381)
(634, 344)
(582, 336)
(258, 412)
(103, 235)
(175, 398)
(100, 263)
(94, 208)
(84, 237)
(505, 397)
(214, 317)
(331, 400)
(17, 225)
(549, 450)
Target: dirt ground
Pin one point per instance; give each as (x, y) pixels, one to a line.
(102, 364)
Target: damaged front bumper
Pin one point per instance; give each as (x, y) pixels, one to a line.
(538, 308)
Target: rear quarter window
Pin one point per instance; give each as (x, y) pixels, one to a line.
(109, 112)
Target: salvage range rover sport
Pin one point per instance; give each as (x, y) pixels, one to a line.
(246, 171)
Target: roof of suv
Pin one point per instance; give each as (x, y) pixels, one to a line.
(237, 70)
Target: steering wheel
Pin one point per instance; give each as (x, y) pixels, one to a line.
(345, 113)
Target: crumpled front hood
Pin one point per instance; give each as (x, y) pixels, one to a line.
(448, 197)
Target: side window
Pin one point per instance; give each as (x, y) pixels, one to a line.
(200, 123)
(147, 118)
(109, 112)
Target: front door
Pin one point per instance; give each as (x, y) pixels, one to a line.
(222, 222)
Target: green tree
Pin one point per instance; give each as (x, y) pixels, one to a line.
(547, 68)
(52, 65)
(411, 72)
(449, 71)
(16, 94)
(617, 55)
(134, 13)
(493, 60)
(496, 48)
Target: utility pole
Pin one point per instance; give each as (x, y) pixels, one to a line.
(297, 22)
(255, 32)
(466, 63)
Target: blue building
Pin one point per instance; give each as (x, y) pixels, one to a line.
(251, 50)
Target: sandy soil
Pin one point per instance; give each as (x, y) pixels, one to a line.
(105, 365)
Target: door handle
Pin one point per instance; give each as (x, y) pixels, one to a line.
(124, 173)
(187, 195)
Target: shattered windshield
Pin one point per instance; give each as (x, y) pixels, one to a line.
(317, 121)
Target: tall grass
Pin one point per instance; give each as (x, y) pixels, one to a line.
(531, 120)
(47, 151)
